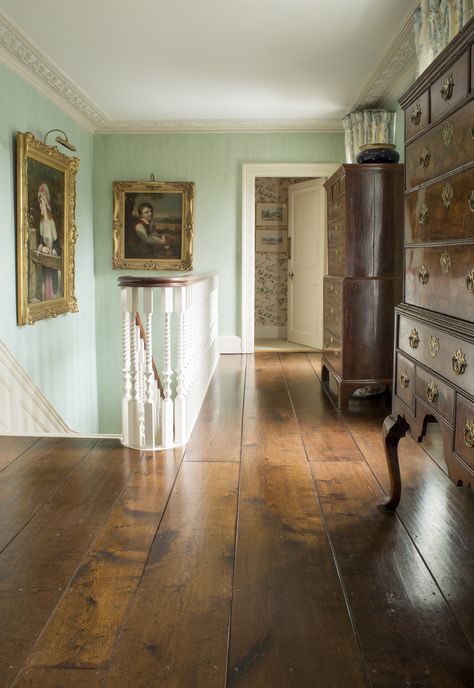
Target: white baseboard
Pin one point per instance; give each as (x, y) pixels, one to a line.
(230, 345)
(270, 331)
(25, 409)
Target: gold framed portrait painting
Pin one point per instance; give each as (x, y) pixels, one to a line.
(153, 225)
(46, 230)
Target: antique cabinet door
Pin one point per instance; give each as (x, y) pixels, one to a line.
(306, 262)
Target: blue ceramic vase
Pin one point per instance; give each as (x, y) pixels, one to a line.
(377, 153)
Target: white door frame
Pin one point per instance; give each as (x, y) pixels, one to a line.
(250, 172)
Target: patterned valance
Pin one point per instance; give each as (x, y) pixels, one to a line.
(436, 22)
(367, 126)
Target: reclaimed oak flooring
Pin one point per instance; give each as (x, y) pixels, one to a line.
(257, 556)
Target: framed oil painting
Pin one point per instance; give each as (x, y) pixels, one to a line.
(271, 241)
(153, 225)
(46, 230)
(271, 215)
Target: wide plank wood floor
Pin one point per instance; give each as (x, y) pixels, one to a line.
(254, 557)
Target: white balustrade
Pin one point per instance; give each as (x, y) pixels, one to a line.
(162, 415)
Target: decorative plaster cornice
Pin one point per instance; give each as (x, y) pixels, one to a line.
(224, 126)
(395, 72)
(25, 58)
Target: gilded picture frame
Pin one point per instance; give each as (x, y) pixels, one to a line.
(46, 230)
(153, 225)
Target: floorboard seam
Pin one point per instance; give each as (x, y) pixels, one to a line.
(27, 449)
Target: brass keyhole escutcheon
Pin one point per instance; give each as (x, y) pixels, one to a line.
(404, 379)
(433, 344)
(470, 281)
(423, 275)
(416, 114)
(445, 262)
(469, 433)
(424, 159)
(447, 88)
(448, 133)
(447, 194)
(423, 214)
(459, 362)
(471, 202)
(414, 339)
(432, 391)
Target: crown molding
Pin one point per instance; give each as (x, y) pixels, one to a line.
(224, 126)
(395, 72)
(19, 53)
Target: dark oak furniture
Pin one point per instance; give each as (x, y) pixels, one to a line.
(365, 266)
(434, 359)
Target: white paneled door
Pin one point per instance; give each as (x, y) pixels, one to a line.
(306, 262)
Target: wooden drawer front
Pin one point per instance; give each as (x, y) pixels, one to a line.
(333, 317)
(405, 381)
(438, 395)
(441, 352)
(464, 433)
(444, 210)
(445, 147)
(333, 351)
(416, 117)
(337, 259)
(332, 291)
(336, 231)
(337, 209)
(450, 88)
(441, 278)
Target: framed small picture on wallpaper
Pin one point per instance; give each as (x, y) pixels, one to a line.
(46, 230)
(153, 225)
(271, 215)
(271, 240)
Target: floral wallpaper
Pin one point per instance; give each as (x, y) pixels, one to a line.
(271, 269)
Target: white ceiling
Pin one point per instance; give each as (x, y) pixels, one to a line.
(137, 61)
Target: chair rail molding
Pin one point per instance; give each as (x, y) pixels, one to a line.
(250, 172)
(25, 408)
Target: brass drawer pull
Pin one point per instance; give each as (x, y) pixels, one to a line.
(447, 194)
(404, 379)
(445, 262)
(447, 88)
(424, 159)
(470, 281)
(471, 202)
(423, 275)
(448, 133)
(423, 214)
(459, 362)
(469, 433)
(414, 339)
(416, 114)
(432, 392)
(433, 344)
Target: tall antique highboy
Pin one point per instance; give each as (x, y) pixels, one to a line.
(434, 358)
(364, 281)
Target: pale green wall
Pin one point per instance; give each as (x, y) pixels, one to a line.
(214, 163)
(59, 354)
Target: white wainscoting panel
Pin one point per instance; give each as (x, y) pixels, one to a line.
(230, 344)
(24, 408)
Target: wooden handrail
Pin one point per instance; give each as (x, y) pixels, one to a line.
(138, 322)
(164, 281)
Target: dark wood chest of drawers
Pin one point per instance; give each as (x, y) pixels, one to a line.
(364, 281)
(434, 329)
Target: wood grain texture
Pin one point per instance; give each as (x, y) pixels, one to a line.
(13, 447)
(85, 625)
(60, 678)
(36, 567)
(217, 433)
(391, 592)
(176, 632)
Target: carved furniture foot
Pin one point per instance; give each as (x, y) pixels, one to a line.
(393, 430)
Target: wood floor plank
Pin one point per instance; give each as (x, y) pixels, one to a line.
(12, 447)
(290, 626)
(406, 630)
(37, 566)
(176, 632)
(60, 678)
(271, 431)
(85, 625)
(325, 434)
(217, 433)
(438, 516)
(36, 475)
